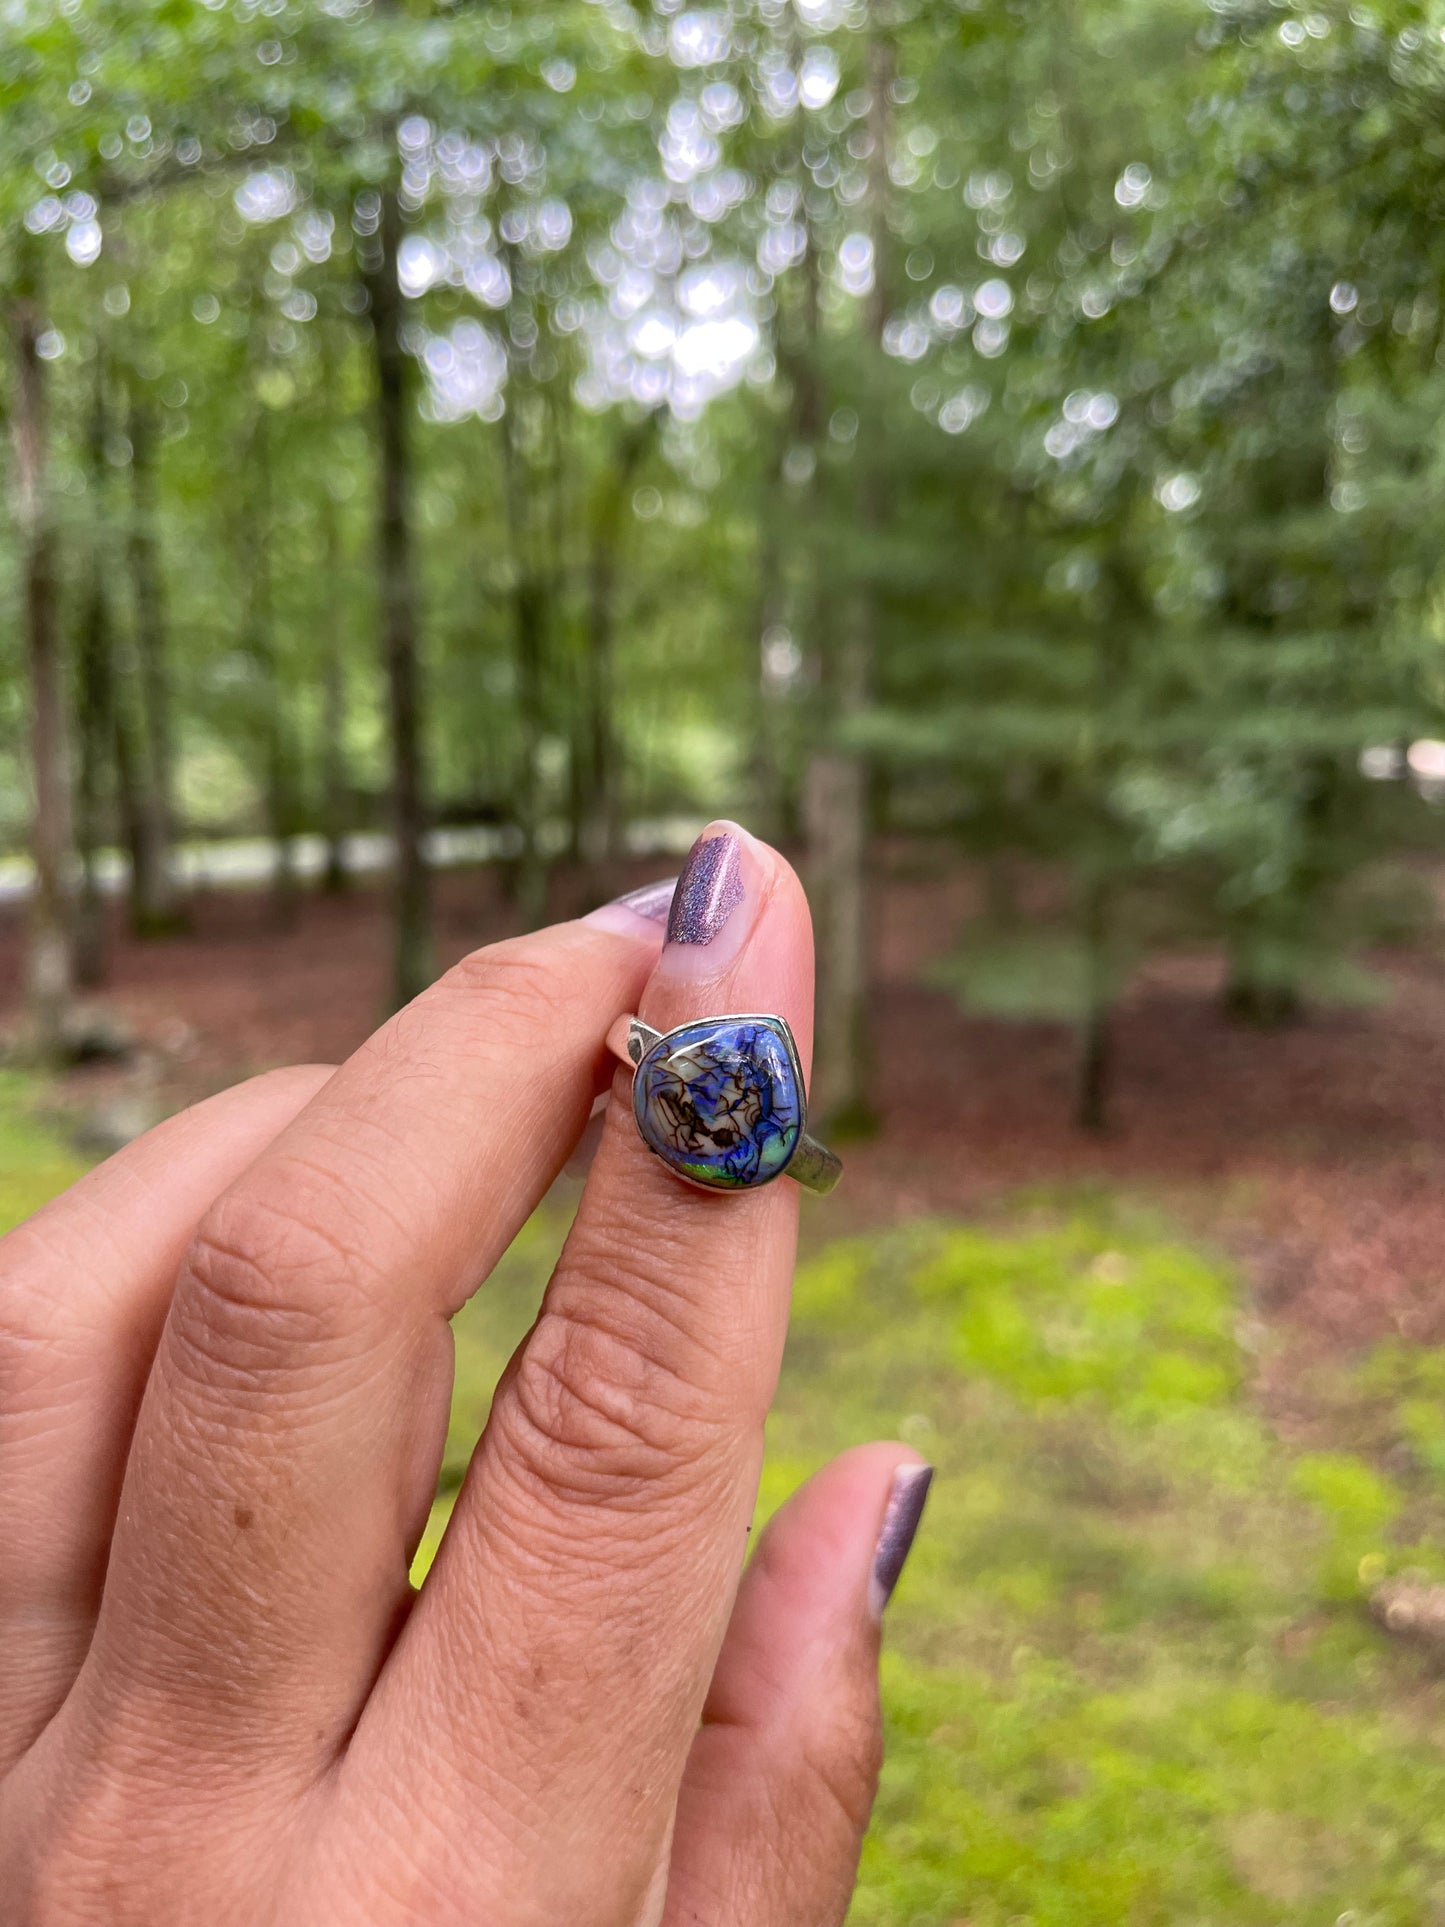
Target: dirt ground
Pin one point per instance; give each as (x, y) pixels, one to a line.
(1317, 1153)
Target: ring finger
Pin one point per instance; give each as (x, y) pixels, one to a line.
(554, 1670)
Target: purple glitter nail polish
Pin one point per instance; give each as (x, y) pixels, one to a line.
(899, 1529)
(653, 900)
(708, 891)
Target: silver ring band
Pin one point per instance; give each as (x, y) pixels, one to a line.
(721, 1102)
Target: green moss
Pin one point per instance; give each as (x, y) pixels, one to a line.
(1145, 1329)
(1130, 1681)
(34, 1162)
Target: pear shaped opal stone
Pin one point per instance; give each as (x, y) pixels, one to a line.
(721, 1101)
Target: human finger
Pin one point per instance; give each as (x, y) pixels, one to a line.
(553, 1671)
(781, 1778)
(84, 1286)
(288, 1443)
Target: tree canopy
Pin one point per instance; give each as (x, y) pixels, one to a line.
(1009, 423)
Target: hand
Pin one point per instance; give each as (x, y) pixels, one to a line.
(225, 1369)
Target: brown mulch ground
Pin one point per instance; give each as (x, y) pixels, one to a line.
(1317, 1152)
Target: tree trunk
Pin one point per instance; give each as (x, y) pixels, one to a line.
(1096, 1031)
(141, 677)
(154, 904)
(601, 827)
(790, 543)
(131, 782)
(50, 962)
(530, 632)
(835, 812)
(95, 700)
(412, 952)
(529, 637)
(774, 811)
(1261, 984)
(336, 794)
(572, 638)
(836, 799)
(1270, 941)
(260, 645)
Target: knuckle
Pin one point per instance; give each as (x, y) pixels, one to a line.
(594, 1413)
(260, 1280)
(522, 985)
(91, 1859)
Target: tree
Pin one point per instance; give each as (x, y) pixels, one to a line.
(379, 223)
(837, 795)
(50, 972)
(95, 694)
(1011, 430)
(154, 905)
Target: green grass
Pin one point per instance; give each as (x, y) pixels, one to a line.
(1130, 1680)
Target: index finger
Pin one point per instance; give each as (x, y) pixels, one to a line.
(287, 1446)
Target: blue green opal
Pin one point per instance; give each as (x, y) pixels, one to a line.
(721, 1101)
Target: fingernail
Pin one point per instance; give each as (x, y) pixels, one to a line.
(719, 894)
(650, 904)
(905, 1506)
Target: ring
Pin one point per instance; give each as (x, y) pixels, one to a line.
(721, 1102)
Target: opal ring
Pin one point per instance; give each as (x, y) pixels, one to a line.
(721, 1102)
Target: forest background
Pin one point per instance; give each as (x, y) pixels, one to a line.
(991, 447)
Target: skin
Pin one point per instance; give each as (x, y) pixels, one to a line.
(225, 1367)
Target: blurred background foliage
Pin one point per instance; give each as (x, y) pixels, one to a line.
(996, 436)
(1013, 424)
